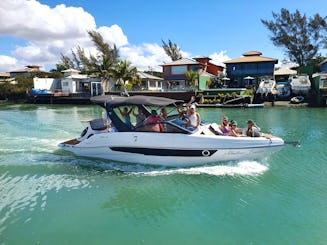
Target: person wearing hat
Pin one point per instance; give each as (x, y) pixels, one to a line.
(193, 118)
(252, 129)
(234, 130)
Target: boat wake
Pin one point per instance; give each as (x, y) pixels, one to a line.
(232, 169)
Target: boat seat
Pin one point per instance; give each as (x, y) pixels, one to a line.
(179, 122)
(207, 131)
(97, 124)
(214, 128)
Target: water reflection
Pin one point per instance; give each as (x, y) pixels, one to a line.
(142, 198)
(28, 192)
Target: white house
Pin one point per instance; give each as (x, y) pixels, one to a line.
(151, 82)
(72, 83)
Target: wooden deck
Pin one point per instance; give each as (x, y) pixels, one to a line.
(71, 142)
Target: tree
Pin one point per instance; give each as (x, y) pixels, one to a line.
(191, 77)
(300, 36)
(102, 63)
(108, 56)
(124, 73)
(65, 63)
(172, 50)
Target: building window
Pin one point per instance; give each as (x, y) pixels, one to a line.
(250, 68)
(194, 67)
(175, 70)
(152, 84)
(166, 70)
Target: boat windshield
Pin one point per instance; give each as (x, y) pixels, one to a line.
(148, 119)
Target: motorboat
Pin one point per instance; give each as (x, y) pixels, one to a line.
(297, 99)
(267, 86)
(300, 84)
(283, 89)
(174, 144)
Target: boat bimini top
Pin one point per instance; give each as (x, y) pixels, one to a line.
(111, 102)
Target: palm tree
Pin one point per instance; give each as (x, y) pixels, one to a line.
(101, 64)
(106, 60)
(191, 77)
(172, 50)
(124, 74)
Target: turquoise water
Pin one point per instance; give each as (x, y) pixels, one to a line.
(48, 196)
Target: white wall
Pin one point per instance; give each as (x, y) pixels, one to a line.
(45, 83)
(155, 85)
(67, 86)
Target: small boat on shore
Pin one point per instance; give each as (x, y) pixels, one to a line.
(172, 145)
(297, 99)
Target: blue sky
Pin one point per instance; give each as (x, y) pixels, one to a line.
(219, 29)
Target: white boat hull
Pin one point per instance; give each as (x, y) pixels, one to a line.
(300, 84)
(301, 89)
(173, 149)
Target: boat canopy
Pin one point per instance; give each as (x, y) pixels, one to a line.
(138, 100)
(112, 102)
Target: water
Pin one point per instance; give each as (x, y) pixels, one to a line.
(48, 196)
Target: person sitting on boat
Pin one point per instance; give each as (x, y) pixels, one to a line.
(164, 113)
(112, 128)
(152, 122)
(224, 125)
(234, 130)
(105, 118)
(126, 115)
(140, 117)
(193, 118)
(252, 129)
(183, 112)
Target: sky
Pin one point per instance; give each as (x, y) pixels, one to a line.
(37, 32)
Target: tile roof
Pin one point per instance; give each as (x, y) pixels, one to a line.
(144, 75)
(251, 56)
(71, 70)
(183, 61)
(284, 71)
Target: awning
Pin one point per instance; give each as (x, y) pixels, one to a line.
(284, 71)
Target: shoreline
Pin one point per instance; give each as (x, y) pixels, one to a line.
(284, 104)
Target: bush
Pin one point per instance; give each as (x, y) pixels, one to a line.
(16, 90)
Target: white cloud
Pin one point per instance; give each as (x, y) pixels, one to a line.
(219, 58)
(48, 32)
(286, 64)
(146, 56)
(113, 35)
(7, 63)
(34, 21)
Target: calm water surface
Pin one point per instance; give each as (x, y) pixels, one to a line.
(48, 196)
